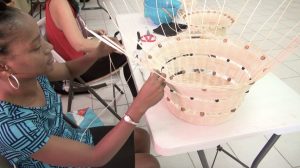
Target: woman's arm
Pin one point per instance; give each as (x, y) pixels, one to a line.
(65, 152)
(63, 18)
(74, 68)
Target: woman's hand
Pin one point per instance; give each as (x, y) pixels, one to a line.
(104, 49)
(100, 32)
(151, 93)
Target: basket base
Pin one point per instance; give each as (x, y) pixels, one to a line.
(197, 120)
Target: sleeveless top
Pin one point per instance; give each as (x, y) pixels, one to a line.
(25, 130)
(57, 38)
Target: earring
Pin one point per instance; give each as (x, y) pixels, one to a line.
(13, 81)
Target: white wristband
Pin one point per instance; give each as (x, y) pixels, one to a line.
(129, 120)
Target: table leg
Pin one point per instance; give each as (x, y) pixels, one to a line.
(265, 150)
(203, 159)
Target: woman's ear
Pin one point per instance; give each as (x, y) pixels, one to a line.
(3, 50)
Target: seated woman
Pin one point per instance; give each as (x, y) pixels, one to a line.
(33, 132)
(65, 31)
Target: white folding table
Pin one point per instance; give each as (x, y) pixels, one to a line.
(271, 107)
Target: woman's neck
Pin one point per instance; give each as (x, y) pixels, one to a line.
(25, 95)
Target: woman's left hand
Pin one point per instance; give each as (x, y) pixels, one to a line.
(100, 32)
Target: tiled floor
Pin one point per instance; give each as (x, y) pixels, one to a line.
(286, 152)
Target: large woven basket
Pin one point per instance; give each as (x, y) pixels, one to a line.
(208, 21)
(207, 78)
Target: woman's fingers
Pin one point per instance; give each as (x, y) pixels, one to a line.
(101, 32)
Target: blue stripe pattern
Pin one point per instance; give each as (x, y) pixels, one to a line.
(25, 130)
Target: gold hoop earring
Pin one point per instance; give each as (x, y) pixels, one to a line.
(13, 81)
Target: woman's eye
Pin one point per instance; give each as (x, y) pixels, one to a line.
(37, 48)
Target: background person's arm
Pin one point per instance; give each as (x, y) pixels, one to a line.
(63, 18)
(77, 67)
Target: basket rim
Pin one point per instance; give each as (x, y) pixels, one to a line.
(234, 42)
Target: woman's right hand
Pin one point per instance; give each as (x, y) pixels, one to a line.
(151, 92)
(104, 49)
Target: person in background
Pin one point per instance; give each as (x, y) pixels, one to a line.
(65, 31)
(33, 132)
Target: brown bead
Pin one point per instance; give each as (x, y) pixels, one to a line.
(202, 114)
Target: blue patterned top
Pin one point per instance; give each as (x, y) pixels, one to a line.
(25, 130)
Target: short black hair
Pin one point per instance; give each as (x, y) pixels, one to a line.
(8, 16)
(6, 1)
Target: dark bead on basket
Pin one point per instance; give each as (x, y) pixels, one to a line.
(180, 72)
(182, 109)
(213, 56)
(247, 91)
(228, 60)
(228, 79)
(204, 90)
(265, 69)
(171, 90)
(262, 57)
(149, 56)
(247, 47)
(202, 114)
(251, 83)
(214, 73)
(196, 70)
(217, 100)
(159, 45)
(191, 54)
(233, 110)
(243, 68)
(192, 98)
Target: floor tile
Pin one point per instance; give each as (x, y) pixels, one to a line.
(79, 102)
(293, 83)
(247, 149)
(295, 65)
(289, 147)
(176, 161)
(282, 71)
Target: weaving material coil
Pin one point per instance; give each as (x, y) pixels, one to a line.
(208, 21)
(207, 77)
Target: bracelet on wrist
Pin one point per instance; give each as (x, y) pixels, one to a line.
(129, 120)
